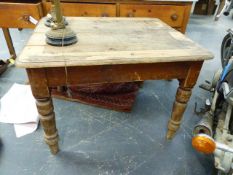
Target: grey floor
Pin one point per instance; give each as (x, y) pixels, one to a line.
(98, 141)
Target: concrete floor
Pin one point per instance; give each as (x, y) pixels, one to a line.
(98, 141)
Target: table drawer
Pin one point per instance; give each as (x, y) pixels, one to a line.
(85, 9)
(170, 14)
(16, 15)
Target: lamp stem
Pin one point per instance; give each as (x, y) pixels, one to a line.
(58, 11)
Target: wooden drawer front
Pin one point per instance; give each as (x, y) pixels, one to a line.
(15, 15)
(170, 14)
(85, 9)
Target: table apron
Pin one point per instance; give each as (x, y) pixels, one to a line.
(114, 73)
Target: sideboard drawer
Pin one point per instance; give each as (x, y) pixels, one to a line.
(16, 15)
(170, 14)
(85, 9)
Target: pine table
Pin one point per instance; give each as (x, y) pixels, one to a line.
(111, 50)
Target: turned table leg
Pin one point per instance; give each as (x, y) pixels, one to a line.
(183, 94)
(179, 106)
(41, 92)
(47, 119)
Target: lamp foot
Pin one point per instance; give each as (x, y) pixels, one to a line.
(61, 37)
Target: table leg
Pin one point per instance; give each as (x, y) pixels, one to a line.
(9, 42)
(41, 92)
(182, 97)
(47, 119)
(179, 106)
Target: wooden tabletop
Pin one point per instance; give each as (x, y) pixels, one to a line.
(103, 41)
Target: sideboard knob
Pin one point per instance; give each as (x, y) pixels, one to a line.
(130, 14)
(104, 15)
(25, 17)
(174, 17)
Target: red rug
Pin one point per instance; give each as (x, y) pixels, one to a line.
(115, 96)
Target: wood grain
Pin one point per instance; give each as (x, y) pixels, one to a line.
(104, 41)
(47, 119)
(163, 12)
(84, 9)
(14, 15)
(186, 18)
(183, 94)
(116, 73)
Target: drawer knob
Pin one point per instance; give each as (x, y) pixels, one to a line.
(130, 15)
(29, 19)
(25, 18)
(104, 15)
(174, 17)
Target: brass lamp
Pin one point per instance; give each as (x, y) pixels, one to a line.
(60, 34)
(51, 17)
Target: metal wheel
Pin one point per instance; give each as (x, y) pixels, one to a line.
(226, 50)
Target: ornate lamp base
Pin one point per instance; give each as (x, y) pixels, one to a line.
(61, 37)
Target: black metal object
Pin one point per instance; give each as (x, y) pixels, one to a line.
(227, 48)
